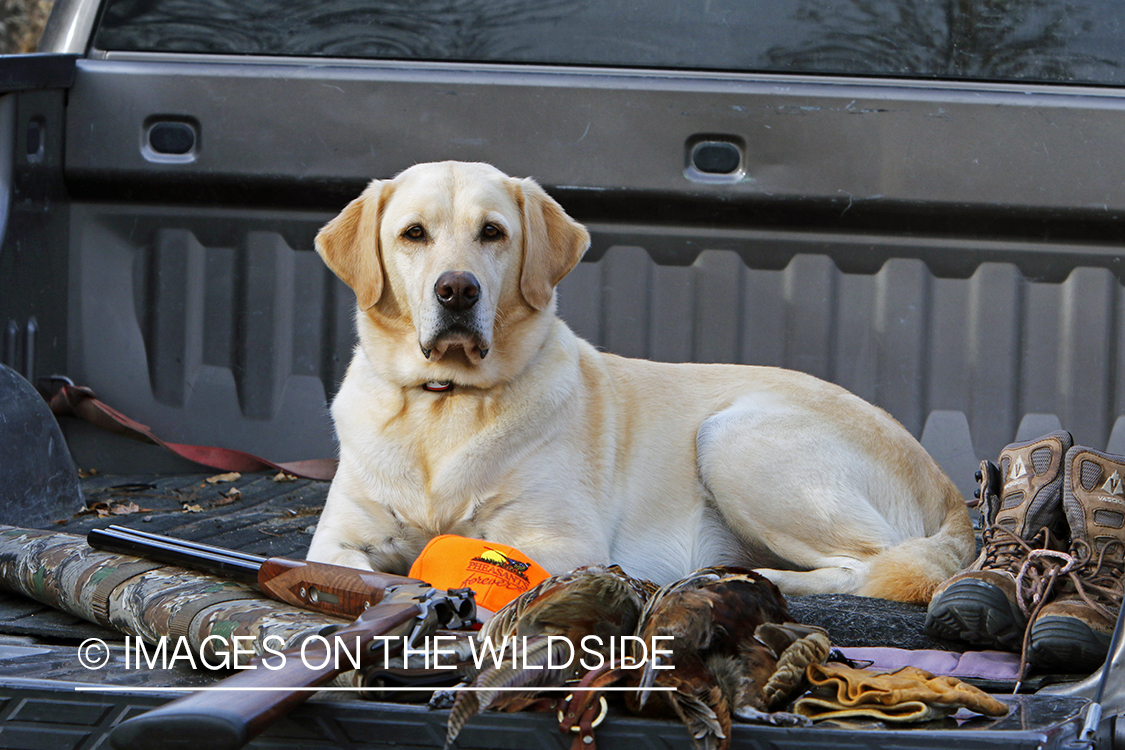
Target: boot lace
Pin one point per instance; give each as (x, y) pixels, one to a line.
(1035, 585)
(1005, 550)
(1095, 576)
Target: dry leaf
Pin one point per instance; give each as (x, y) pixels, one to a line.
(84, 473)
(282, 476)
(226, 499)
(124, 509)
(193, 509)
(101, 507)
(228, 477)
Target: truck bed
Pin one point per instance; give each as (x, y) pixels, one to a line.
(940, 235)
(40, 670)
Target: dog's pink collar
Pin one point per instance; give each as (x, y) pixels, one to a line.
(437, 386)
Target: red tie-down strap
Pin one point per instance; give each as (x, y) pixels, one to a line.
(79, 401)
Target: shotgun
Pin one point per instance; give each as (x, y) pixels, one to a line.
(320, 587)
(401, 612)
(246, 703)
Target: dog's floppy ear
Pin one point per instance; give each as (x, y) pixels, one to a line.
(349, 244)
(553, 243)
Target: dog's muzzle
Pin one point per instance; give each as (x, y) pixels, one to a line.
(457, 293)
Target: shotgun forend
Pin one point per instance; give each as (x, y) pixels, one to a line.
(331, 589)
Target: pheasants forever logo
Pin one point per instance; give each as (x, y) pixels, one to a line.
(499, 558)
(499, 569)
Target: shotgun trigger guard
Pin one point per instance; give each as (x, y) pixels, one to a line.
(328, 630)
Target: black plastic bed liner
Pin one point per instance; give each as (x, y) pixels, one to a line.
(272, 518)
(44, 715)
(268, 518)
(39, 667)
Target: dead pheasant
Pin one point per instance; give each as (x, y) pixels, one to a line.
(735, 653)
(598, 600)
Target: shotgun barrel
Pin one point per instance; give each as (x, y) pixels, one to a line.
(238, 566)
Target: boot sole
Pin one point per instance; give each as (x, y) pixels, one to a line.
(978, 613)
(1067, 642)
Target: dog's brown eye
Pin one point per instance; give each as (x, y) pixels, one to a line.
(491, 232)
(415, 233)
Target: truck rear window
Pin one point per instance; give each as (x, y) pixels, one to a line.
(1062, 41)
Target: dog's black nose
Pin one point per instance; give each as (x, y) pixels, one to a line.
(457, 290)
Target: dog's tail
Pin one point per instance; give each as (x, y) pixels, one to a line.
(909, 572)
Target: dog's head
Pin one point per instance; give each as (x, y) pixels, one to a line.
(453, 266)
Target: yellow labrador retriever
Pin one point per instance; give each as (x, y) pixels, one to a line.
(470, 408)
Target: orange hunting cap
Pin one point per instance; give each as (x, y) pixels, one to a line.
(496, 573)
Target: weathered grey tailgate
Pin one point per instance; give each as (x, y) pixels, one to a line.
(950, 251)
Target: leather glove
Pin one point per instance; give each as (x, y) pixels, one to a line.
(907, 695)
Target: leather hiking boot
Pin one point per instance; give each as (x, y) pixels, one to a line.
(1073, 631)
(1021, 503)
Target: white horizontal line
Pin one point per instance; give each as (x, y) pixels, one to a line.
(130, 689)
